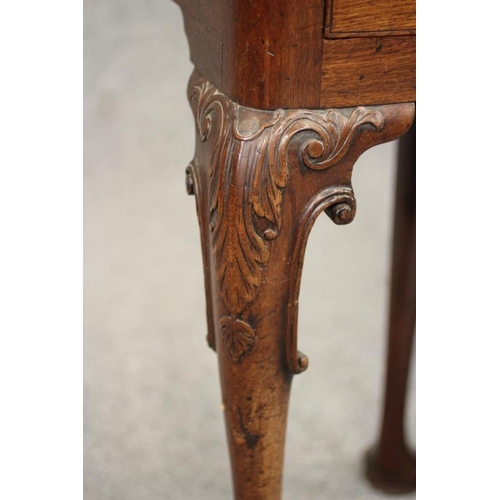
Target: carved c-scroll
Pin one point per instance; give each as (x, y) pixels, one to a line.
(252, 153)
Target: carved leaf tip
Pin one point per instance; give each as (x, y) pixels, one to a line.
(238, 337)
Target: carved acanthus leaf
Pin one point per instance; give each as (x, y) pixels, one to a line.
(237, 335)
(249, 157)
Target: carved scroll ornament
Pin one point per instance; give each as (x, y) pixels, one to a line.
(251, 156)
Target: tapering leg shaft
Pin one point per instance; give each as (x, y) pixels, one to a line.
(391, 466)
(255, 393)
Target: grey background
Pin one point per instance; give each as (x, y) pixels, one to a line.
(153, 425)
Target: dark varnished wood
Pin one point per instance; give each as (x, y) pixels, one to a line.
(272, 54)
(261, 178)
(286, 96)
(271, 50)
(356, 18)
(276, 50)
(370, 70)
(391, 465)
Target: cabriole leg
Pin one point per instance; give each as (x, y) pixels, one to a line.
(391, 465)
(260, 179)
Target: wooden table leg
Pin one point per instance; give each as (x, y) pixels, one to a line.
(390, 465)
(260, 179)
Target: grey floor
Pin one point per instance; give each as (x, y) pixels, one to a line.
(153, 425)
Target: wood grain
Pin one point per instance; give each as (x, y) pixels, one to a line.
(375, 70)
(271, 54)
(261, 179)
(356, 17)
(271, 49)
(276, 142)
(274, 54)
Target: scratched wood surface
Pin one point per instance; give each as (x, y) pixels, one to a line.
(272, 54)
(270, 50)
(374, 70)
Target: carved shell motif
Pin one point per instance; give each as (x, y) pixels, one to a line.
(249, 169)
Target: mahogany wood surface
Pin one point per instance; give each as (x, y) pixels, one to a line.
(356, 17)
(271, 49)
(271, 54)
(261, 178)
(368, 70)
(282, 112)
